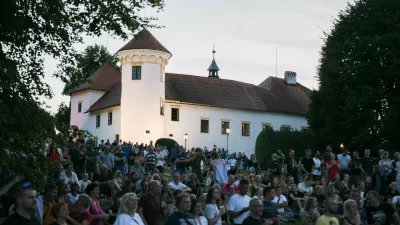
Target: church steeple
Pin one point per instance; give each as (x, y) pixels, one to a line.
(213, 69)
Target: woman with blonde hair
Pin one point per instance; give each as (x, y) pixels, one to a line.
(351, 216)
(127, 211)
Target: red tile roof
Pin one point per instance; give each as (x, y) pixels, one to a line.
(102, 79)
(144, 40)
(272, 95)
(109, 99)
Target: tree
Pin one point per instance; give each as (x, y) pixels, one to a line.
(32, 29)
(62, 119)
(74, 69)
(358, 102)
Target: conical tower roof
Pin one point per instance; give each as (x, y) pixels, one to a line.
(144, 40)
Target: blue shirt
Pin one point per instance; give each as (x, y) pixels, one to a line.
(270, 210)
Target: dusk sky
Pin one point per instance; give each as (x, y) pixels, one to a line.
(246, 36)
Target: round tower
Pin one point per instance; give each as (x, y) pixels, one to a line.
(143, 61)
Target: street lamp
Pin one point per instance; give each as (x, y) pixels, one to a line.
(228, 131)
(186, 137)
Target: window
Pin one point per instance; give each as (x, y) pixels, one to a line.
(97, 121)
(204, 126)
(175, 114)
(266, 126)
(245, 129)
(171, 135)
(109, 118)
(162, 106)
(147, 132)
(136, 72)
(117, 137)
(286, 128)
(225, 125)
(161, 75)
(79, 107)
(305, 129)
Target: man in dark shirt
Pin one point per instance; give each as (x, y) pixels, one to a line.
(103, 178)
(119, 160)
(290, 166)
(150, 205)
(91, 159)
(131, 157)
(275, 166)
(256, 211)
(25, 206)
(307, 163)
(367, 163)
(270, 212)
(380, 213)
(196, 164)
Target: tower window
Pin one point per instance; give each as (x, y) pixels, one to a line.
(162, 106)
(224, 126)
(136, 72)
(286, 128)
(204, 126)
(265, 126)
(245, 129)
(97, 121)
(174, 114)
(109, 118)
(79, 107)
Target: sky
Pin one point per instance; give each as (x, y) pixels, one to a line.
(253, 39)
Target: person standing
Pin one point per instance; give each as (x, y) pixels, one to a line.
(238, 204)
(344, 162)
(151, 159)
(291, 167)
(25, 206)
(307, 163)
(196, 164)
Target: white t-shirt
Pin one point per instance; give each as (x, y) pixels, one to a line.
(305, 188)
(232, 162)
(178, 186)
(203, 221)
(281, 199)
(161, 162)
(317, 163)
(73, 178)
(237, 203)
(125, 219)
(211, 211)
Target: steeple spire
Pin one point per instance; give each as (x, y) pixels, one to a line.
(213, 69)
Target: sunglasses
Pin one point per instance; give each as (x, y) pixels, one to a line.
(26, 185)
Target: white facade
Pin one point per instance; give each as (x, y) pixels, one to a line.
(191, 115)
(86, 98)
(141, 98)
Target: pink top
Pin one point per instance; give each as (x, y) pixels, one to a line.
(225, 189)
(96, 210)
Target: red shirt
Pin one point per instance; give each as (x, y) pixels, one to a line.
(55, 155)
(334, 169)
(85, 216)
(151, 205)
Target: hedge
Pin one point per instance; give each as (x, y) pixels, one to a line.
(269, 141)
(168, 142)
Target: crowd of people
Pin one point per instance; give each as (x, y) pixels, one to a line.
(150, 185)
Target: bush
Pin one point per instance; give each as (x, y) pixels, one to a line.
(169, 143)
(269, 141)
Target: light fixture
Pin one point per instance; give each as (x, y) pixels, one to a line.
(228, 131)
(186, 136)
(342, 145)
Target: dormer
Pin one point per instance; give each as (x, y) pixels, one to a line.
(290, 77)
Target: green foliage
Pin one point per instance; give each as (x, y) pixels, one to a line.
(270, 141)
(358, 102)
(170, 143)
(75, 68)
(31, 30)
(62, 119)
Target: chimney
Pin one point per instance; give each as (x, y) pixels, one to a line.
(290, 77)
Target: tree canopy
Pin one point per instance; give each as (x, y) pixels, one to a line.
(74, 69)
(31, 30)
(358, 101)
